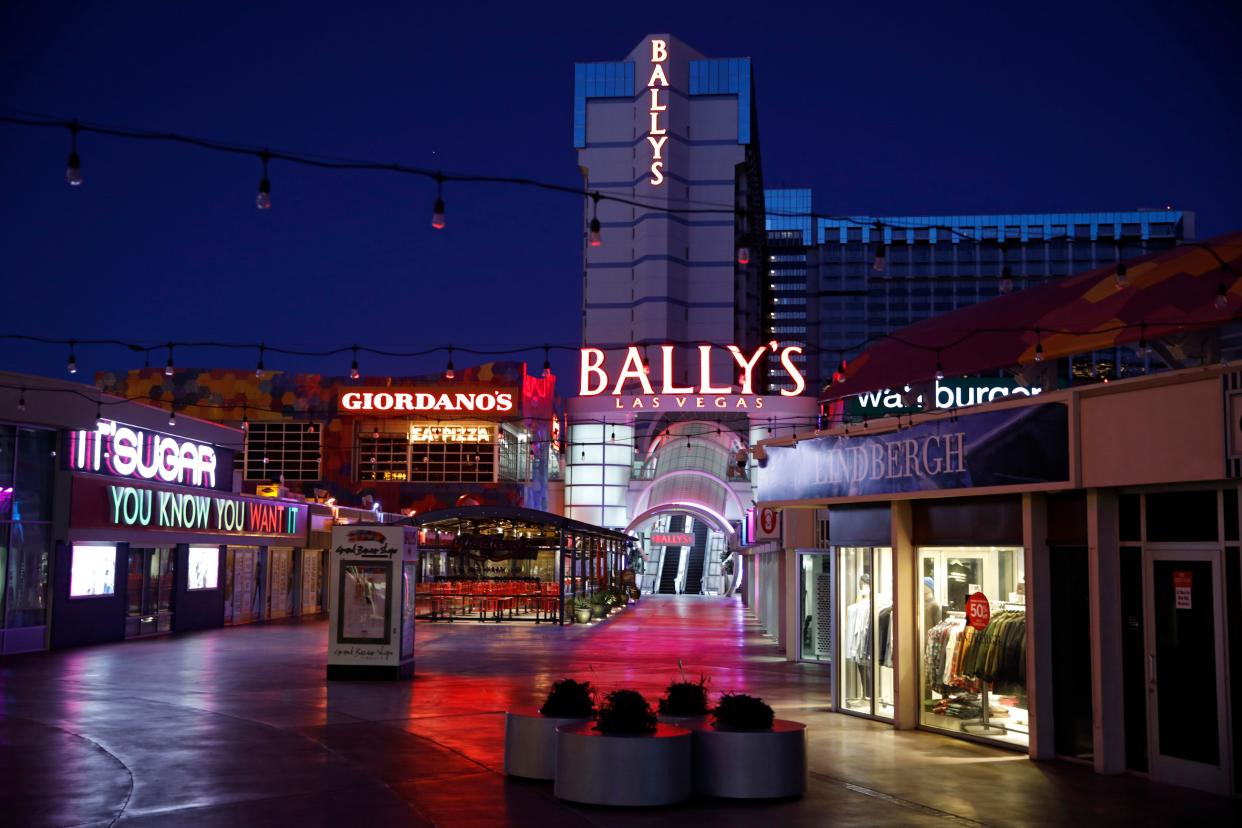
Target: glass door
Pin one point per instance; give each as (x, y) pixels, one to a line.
(242, 584)
(865, 606)
(1185, 669)
(149, 592)
(815, 596)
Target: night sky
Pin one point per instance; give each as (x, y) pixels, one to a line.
(880, 108)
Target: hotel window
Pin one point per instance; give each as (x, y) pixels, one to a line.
(385, 457)
(275, 449)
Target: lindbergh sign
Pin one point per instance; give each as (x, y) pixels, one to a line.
(595, 380)
(411, 402)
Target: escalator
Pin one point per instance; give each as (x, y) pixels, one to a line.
(698, 553)
(672, 558)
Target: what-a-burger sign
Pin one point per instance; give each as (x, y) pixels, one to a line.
(475, 400)
(632, 387)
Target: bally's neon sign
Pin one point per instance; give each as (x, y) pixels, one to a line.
(657, 135)
(125, 451)
(594, 379)
(400, 402)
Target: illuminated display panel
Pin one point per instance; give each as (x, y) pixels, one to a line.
(203, 571)
(92, 573)
(422, 433)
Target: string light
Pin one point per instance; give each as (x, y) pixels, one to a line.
(258, 369)
(939, 367)
(263, 200)
(1222, 297)
(878, 264)
(594, 236)
(449, 373)
(245, 419)
(743, 254)
(72, 366)
(168, 367)
(354, 373)
(1039, 347)
(73, 169)
(1006, 280)
(547, 363)
(1119, 277)
(1143, 349)
(437, 212)
(21, 400)
(172, 414)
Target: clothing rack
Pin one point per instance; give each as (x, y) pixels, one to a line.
(984, 725)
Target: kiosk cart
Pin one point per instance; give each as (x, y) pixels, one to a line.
(371, 619)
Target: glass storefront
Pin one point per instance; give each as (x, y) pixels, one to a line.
(973, 676)
(26, 471)
(865, 601)
(280, 582)
(149, 591)
(312, 581)
(241, 585)
(816, 592)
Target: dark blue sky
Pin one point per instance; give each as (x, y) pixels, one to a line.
(879, 107)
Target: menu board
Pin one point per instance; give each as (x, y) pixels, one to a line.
(364, 614)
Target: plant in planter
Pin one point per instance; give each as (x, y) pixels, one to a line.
(530, 736)
(684, 699)
(626, 713)
(569, 699)
(582, 609)
(749, 753)
(598, 604)
(738, 711)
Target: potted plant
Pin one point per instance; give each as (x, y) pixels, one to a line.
(684, 702)
(582, 609)
(599, 605)
(748, 753)
(530, 735)
(627, 757)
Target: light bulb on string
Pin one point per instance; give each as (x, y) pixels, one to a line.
(21, 400)
(354, 373)
(879, 263)
(245, 425)
(437, 213)
(939, 367)
(449, 373)
(263, 200)
(168, 366)
(1039, 347)
(73, 169)
(1222, 297)
(1143, 349)
(258, 368)
(1119, 278)
(547, 363)
(743, 254)
(172, 415)
(72, 365)
(594, 236)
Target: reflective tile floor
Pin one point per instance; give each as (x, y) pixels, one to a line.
(238, 727)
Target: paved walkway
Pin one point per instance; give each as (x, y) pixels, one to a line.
(238, 727)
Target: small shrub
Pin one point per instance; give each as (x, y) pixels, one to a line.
(582, 602)
(599, 599)
(626, 713)
(685, 698)
(742, 712)
(569, 699)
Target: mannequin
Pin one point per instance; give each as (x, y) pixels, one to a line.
(858, 631)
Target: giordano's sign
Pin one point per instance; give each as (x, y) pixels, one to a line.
(632, 389)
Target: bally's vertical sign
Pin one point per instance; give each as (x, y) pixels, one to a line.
(657, 135)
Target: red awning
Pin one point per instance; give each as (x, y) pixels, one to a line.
(1167, 292)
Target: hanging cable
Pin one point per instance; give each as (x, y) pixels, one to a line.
(449, 373)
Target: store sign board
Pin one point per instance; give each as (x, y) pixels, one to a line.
(1182, 584)
(372, 615)
(1026, 446)
(978, 611)
(657, 135)
(633, 389)
(399, 402)
(767, 523)
(672, 539)
(423, 433)
(121, 450)
(949, 393)
(99, 504)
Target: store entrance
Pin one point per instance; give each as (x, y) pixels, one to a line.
(865, 672)
(242, 585)
(1185, 674)
(149, 592)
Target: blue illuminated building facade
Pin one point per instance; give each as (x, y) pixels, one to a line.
(933, 265)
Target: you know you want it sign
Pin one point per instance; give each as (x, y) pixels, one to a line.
(1014, 447)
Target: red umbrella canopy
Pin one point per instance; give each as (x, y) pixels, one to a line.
(1164, 293)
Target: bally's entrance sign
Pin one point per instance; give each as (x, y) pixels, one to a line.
(657, 135)
(1017, 447)
(711, 392)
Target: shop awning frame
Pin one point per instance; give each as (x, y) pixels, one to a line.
(513, 514)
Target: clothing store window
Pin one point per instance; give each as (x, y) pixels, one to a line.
(973, 681)
(865, 675)
(816, 594)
